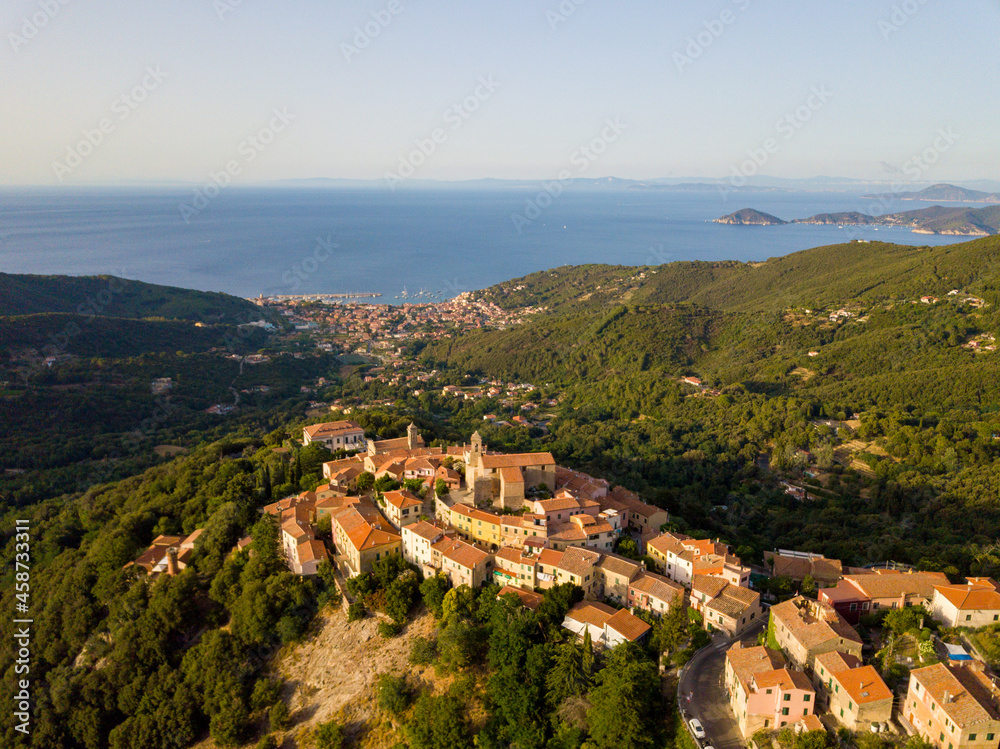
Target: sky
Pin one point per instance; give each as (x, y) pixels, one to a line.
(102, 91)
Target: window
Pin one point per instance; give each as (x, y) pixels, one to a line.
(788, 698)
(806, 697)
(850, 705)
(972, 737)
(854, 607)
(806, 711)
(769, 691)
(784, 711)
(841, 712)
(989, 737)
(968, 617)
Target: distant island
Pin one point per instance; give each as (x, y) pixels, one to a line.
(750, 217)
(959, 221)
(943, 193)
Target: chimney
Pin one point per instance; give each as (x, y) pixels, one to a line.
(947, 696)
(172, 568)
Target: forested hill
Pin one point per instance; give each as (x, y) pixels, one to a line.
(109, 296)
(862, 271)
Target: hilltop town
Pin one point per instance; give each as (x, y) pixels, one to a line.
(801, 643)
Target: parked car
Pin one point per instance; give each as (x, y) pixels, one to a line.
(696, 728)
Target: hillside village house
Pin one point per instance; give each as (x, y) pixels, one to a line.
(462, 563)
(417, 540)
(477, 525)
(335, 435)
(303, 551)
(167, 554)
(725, 606)
(854, 694)
(953, 707)
(614, 573)
(855, 595)
(402, 507)
(805, 628)
(798, 565)
(975, 604)
(362, 537)
(763, 692)
(515, 568)
(681, 557)
(608, 627)
(654, 593)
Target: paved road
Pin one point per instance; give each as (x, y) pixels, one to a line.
(704, 682)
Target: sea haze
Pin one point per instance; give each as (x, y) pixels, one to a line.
(249, 241)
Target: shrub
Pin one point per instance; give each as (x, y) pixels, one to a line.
(389, 629)
(329, 735)
(394, 694)
(268, 742)
(356, 611)
(279, 716)
(423, 652)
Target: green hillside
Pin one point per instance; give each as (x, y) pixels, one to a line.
(864, 271)
(109, 296)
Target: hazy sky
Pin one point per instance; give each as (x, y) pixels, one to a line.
(495, 88)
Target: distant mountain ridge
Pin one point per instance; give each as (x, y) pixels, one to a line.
(942, 192)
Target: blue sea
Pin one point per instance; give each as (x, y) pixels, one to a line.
(433, 243)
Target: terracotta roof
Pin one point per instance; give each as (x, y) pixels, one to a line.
(461, 553)
(819, 568)
(708, 584)
(520, 460)
(670, 543)
(970, 597)
(332, 429)
(863, 684)
(550, 557)
(366, 536)
(746, 662)
(627, 625)
(633, 502)
(834, 661)
(591, 612)
(810, 722)
(311, 551)
(895, 585)
(812, 623)
(511, 475)
(969, 699)
(402, 498)
(529, 599)
(424, 529)
(657, 586)
(783, 678)
(619, 565)
(554, 505)
(578, 561)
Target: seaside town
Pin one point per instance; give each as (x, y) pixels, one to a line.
(801, 643)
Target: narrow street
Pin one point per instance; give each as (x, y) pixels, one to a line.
(704, 682)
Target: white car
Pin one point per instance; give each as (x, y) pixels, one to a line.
(696, 728)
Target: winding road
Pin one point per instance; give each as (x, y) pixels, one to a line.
(703, 692)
